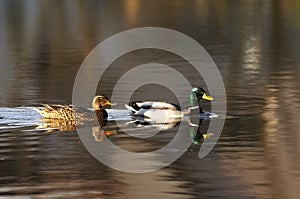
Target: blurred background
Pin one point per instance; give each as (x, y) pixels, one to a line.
(256, 47)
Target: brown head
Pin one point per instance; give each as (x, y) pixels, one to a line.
(100, 101)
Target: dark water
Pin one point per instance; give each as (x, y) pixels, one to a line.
(255, 45)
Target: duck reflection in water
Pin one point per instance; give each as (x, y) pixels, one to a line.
(103, 129)
(142, 125)
(195, 133)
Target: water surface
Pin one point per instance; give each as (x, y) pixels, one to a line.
(255, 45)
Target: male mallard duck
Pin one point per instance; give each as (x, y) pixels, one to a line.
(160, 110)
(67, 112)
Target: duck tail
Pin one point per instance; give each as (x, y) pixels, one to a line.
(193, 107)
(134, 111)
(189, 110)
(41, 110)
(54, 111)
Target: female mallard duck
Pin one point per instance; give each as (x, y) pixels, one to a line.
(157, 110)
(68, 112)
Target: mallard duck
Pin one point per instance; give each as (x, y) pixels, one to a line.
(157, 110)
(68, 112)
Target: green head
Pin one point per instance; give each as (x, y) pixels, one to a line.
(198, 94)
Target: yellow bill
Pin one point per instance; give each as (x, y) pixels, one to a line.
(207, 97)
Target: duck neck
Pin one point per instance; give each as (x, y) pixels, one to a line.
(97, 107)
(193, 100)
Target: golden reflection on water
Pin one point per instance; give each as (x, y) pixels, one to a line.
(282, 142)
(143, 186)
(252, 55)
(131, 8)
